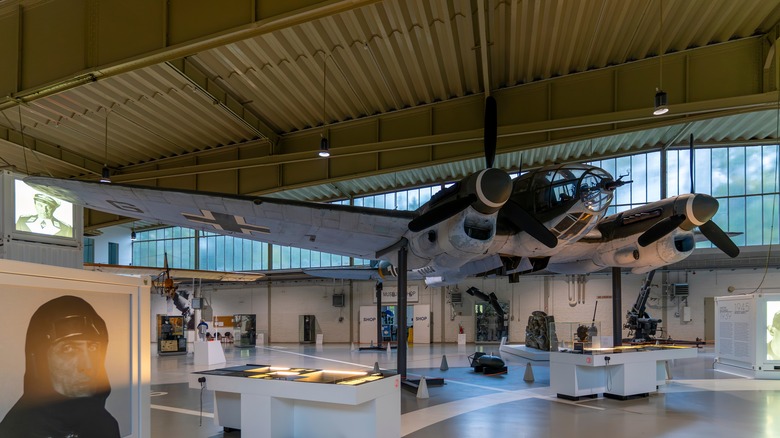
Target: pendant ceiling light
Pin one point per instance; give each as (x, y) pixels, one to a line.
(661, 99)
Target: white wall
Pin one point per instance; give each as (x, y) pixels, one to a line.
(278, 305)
(116, 234)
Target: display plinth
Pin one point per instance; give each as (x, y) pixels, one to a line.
(623, 372)
(209, 353)
(266, 401)
(525, 352)
(746, 326)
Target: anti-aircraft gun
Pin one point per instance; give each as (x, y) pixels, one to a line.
(638, 321)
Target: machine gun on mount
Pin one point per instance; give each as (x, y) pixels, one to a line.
(638, 322)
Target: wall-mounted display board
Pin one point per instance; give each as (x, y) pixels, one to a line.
(75, 365)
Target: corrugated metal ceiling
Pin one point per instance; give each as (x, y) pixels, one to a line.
(376, 59)
(726, 131)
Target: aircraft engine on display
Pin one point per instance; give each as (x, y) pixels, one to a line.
(464, 237)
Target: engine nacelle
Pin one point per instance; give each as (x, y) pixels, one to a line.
(669, 249)
(457, 240)
(626, 253)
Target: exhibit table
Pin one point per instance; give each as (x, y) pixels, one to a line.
(266, 401)
(621, 372)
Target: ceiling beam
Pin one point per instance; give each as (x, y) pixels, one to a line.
(150, 33)
(224, 97)
(511, 139)
(77, 163)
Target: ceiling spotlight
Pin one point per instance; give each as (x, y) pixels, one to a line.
(105, 176)
(660, 103)
(324, 147)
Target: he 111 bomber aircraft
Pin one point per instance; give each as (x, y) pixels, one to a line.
(552, 218)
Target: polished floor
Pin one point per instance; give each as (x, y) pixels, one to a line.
(697, 402)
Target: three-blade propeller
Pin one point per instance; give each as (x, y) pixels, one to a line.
(486, 191)
(700, 210)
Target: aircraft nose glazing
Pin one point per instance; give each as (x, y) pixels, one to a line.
(701, 209)
(494, 187)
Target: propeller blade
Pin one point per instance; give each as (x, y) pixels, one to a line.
(719, 238)
(491, 131)
(530, 224)
(660, 229)
(441, 213)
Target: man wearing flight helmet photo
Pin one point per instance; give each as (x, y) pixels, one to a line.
(65, 380)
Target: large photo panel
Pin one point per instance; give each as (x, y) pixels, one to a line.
(41, 214)
(65, 352)
(773, 329)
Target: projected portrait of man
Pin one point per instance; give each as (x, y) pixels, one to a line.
(43, 221)
(773, 346)
(65, 380)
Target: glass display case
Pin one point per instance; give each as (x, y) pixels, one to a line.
(170, 335)
(244, 330)
(307, 375)
(491, 325)
(575, 336)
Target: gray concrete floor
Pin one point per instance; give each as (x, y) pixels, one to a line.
(698, 401)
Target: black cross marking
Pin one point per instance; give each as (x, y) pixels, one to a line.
(226, 222)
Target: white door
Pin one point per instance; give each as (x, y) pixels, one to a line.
(422, 324)
(368, 322)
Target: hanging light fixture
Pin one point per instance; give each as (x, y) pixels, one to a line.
(660, 102)
(105, 174)
(324, 147)
(661, 99)
(324, 144)
(132, 232)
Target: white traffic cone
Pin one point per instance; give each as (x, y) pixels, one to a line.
(529, 373)
(388, 347)
(444, 366)
(376, 368)
(422, 390)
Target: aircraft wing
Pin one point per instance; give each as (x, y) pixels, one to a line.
(174, 272)
(339, 229)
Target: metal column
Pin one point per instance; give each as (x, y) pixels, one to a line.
(401, 321)
(617, 308)
(378, 289)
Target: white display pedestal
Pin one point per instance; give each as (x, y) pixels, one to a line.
(525, 352)
(208, 353)
(625, 375)
(280, 408)
(741, 335)
(461, 339)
